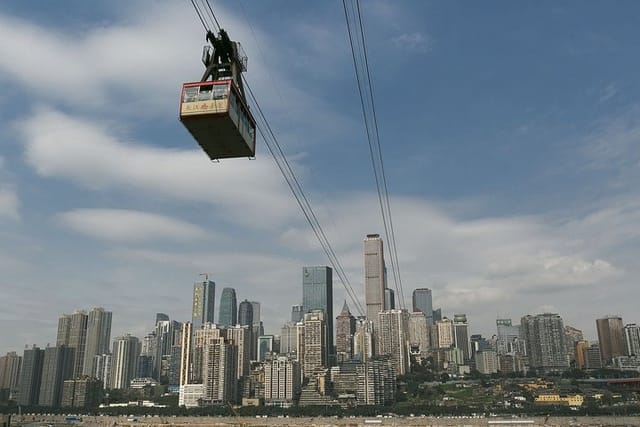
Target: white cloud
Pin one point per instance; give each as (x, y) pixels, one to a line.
(247, 192)
(126, 225)
(415, 41)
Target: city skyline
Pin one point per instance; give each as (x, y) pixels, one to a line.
(507, 197)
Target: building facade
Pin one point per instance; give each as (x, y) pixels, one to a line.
(315, 344)
(610, 337)
(281, 381)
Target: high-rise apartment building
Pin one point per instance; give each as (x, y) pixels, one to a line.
(363, 339)
(204, 298)
(98, 338)
(422, 302)
(72, 333)
(315, 344)
(288, 338)
(445, 334)
(418, 335)
(393, 338)
(374, 277)
(632, 339)
(57, 367)
(186, 355)
(219, 371)
(345, 328)
(317, 294)
(240, 338)
(228, 313)
(281, 381)
(126, 350)
(30, 376)
(10, 366)
(461, 335)
(546, 341)
(610, 337)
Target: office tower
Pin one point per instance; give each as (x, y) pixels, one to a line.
(437, 315)
(288, 338)
(245, 313)
(389, 299)
(461, 335)
(164, 334)
(255, 305)
(126, 350)
(418, 335)
(374, 277)
(265, 347)
(30, 376)
(545, 341)
(72, 333)
(161, 317)
(317, 294)
(422, 302)
(632, 339)
(240, 337)
(10, 366)
(345, 328)
(297, 313)
(281, 381)
(204, 298)
(508, 338)
(445, 334)
(98, 337)
(363, 339)
(393, 338)
(315, 345)
(228, 313)
(610, 338)
(257, 329)
(57, 365)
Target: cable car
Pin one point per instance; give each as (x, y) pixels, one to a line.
(215, 112)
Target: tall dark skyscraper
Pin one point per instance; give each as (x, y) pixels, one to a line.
(30, 376)
(228, 312)
(72, 332)
(317, 294)
(245, 313)
(422, 301)
(374, 277)
(204, 298)
(610, 337)
(56, 367)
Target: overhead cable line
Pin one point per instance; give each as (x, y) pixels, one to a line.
(265, 130)
(357, 41)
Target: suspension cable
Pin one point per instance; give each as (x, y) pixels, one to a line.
(357, 41)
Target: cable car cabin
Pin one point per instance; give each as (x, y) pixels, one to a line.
(216, 115)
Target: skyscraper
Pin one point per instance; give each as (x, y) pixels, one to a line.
(10, 366)
(204, 298)
(418, 333)
(632, 339)
(461, 335)
(123, 364)
(610, 338)
(228, 313)
(374, 277)
(393, 338)
(56, 368)
(72, 332)
(30, 376)
(345, 328)
(98, 338)
(445, 334)
(315, 345)
(422, 301)
(281, 381)
(245, 313)
(363, 339)
(317, 294)
(546, 341)
(297, 313)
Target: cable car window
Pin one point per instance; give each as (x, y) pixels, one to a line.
(190, 94)
(220, 91)
(205, 93)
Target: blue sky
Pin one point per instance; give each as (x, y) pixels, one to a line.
(511, 136)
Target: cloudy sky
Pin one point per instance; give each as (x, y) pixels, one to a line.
(510, 132)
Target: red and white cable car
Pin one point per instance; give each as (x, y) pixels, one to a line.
(215, 112)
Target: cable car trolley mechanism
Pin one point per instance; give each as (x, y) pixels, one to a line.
(214, 110)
